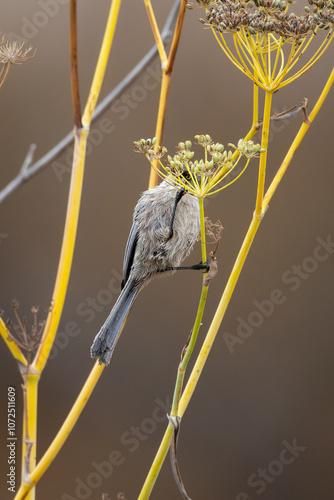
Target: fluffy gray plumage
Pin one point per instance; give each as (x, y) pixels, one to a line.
(150, 250)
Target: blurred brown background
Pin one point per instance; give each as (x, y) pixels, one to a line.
(278, 385)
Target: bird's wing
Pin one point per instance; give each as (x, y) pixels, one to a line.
(130, 251)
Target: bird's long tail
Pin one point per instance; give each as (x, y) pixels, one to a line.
(105, 341)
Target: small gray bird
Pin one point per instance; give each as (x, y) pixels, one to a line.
(165, 227)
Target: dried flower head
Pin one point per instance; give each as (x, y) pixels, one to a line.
(268, 40)
(26, 335)
(200, 177)
(12, 53)
(213, 229)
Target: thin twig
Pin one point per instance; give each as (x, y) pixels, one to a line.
(34, 169)
(289, 113)
(4, 74)
(176, 38)
(74, 64)
(28, 160)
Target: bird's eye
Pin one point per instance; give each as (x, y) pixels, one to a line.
(186, 176)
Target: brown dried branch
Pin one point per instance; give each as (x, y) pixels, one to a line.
(74, 65)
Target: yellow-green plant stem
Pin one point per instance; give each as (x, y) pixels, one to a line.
(101, 62)
(29, 428)
(157, 464)
(299, 137)
(218, 317)
(253, 56)
(263, 156)
(63, 433)
(201, 359)
(153, 180)
(64, 268)
(247, 137)
(203, 235)
(14, 349)
(156, 33)
(35, 369)
(188, 352)
(255, 105)
(191, 344)
(165, 82)
(75, 194)
(67, 251)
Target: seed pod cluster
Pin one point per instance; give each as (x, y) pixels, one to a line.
(264, 16)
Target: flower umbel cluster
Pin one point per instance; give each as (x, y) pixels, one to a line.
(248, 148)
(199, 177)
(150, 148)
(261, 29)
